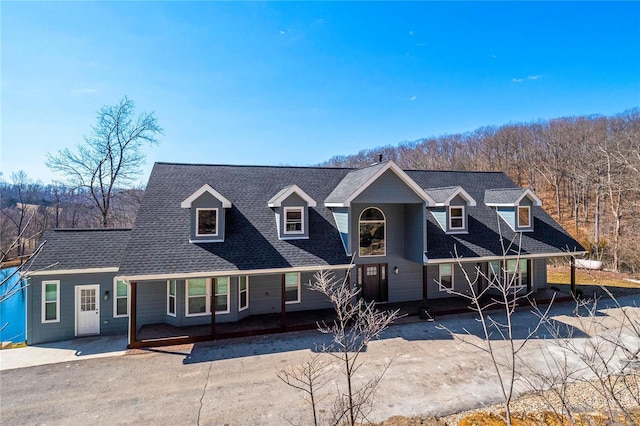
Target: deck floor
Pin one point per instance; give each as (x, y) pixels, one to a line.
(307, 320)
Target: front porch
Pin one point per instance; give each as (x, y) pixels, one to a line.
(163, 334)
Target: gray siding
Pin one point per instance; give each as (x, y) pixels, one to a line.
(460, 282)
(539, 278)
(440, 214)
(508, 214)
(341, 216)
(388, 188)
(37, 332)
(208, 201)
(152, 302)
(403, 253)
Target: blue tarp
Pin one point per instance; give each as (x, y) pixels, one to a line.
(13, 327)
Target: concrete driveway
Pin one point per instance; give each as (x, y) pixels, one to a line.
(234, 382)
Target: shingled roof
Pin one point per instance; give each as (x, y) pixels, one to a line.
(485, 227)
(69, 249)
(159, 243)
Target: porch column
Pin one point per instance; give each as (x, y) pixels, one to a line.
(573, 276)
(529, 273)
(425, 282)
(481, 277)
(133, 295)
(212, 303)
(283, 304)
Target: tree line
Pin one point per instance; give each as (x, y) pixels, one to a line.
(586, 169)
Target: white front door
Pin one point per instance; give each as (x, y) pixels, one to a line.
(87, 309)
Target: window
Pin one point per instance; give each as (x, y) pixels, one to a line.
(206, 222)
(456, 218)
(243, 293)
(524, 217)
(495, 272)
(372, 234)
(197, 300)
(171, 297)
(293, 223)
(120, 299)
(446, 276)
(513, 273)
(51, 301)
(292, 287)
(222, 295)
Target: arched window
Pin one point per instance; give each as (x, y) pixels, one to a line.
(372, 233)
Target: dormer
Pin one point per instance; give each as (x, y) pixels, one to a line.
(514, 206)
(207, 215)
(450, 208)
(291, 207)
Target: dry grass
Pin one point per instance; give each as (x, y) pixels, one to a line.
(562, 275)
(544, 418)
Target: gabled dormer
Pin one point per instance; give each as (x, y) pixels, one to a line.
(450, 208)
(207, 215)
(291, 207)
(514, 206)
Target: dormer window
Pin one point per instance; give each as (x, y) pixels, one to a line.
(207, 209)
(524, 217)
(293, 220)
(207, 222)
(514, 206)
(450, 209)
(456, 218)
(291, 206)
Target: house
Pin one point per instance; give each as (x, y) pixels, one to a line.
(242, 241)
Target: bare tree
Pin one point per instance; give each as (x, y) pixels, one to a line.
(357, 323)
(310, 377)
(502, 294)
(112, 155)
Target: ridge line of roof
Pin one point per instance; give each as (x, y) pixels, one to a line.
(89, 229)
(169, 163)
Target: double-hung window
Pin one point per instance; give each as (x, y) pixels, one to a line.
(51, 301)
(456, 218)
(292, 287)
(445, 275)
(171, 297)
(222, 294)
(243, 293)
(293, 220)
(197, 300)
(120, 299)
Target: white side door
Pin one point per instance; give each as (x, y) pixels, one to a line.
(87, 309)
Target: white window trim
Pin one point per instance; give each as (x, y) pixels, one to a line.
(440, 286)
(291, 302)
(44, 296)
(175, 297)
(464, 219)
(198, 209)
(240, 308)
(384, 219)
(228, 295)
(518, 216)
(207, 301)
(302, 218)
(115, 300)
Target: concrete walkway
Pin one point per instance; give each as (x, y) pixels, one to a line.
(69, 350)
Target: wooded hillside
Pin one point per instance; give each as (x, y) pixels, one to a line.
(586, 169)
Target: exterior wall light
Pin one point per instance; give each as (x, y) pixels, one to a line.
(396, 270)
(106, 295)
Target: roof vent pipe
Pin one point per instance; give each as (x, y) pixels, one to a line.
(379, 158)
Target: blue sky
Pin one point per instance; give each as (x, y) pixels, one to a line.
(297, 83)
